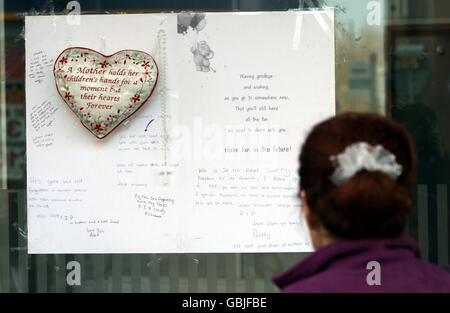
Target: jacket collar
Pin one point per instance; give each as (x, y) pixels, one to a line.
(338, 251)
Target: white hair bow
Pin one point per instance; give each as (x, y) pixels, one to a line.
(361, 155)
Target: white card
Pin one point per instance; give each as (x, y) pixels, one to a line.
(242, 90)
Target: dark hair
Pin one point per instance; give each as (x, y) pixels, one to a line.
(369, 204)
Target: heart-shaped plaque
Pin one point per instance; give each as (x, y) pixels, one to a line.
(103, 91)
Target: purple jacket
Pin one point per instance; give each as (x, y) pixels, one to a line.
(342, 267)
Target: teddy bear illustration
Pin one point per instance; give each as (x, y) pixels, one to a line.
(202, 54)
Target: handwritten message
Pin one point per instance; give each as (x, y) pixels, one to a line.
(40, 66)
(257, 98)
(42, 115)
(154, 206)
(61, 200)
(44, 141)
(252, 193)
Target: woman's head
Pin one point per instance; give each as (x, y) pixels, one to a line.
(368, 204)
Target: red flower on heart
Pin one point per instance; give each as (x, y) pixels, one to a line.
(63, 60)
(104, 64)
(68, 95)
(145, 64)
(136, 98)
(98, 128)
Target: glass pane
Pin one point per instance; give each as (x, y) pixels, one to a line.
(392, 57)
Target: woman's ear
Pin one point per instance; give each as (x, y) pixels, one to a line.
(319, 236)
(311, 218)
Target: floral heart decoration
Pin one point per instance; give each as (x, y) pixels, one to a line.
(103, 91)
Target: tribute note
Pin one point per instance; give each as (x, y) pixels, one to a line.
(236, 98)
